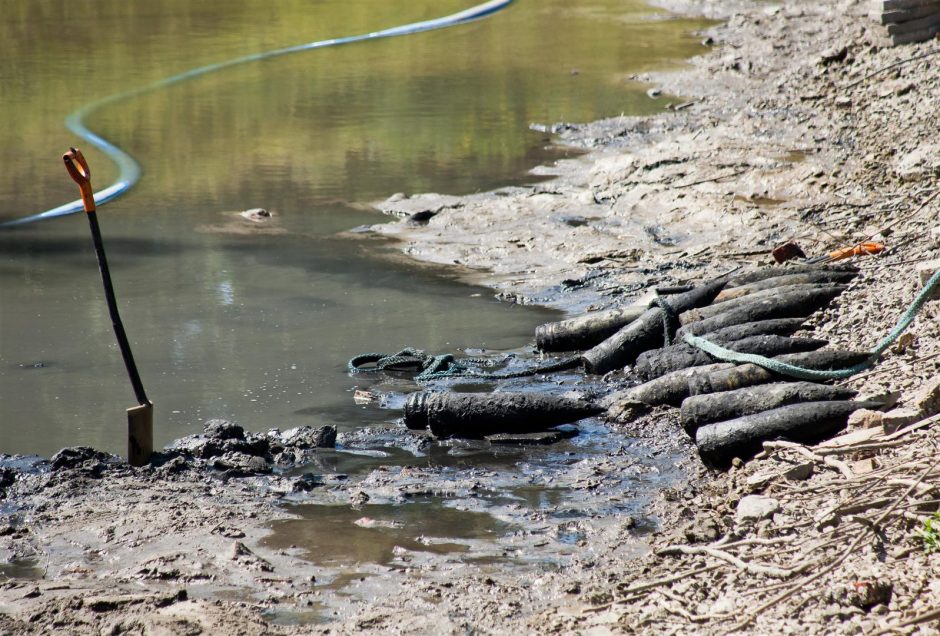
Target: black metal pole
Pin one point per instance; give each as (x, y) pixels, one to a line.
(113, 310)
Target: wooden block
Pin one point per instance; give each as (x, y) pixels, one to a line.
(921, 24)
(904, 15)
(140, 434)
(916, 36)
(892, 5)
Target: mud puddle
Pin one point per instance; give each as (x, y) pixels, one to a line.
(23, 569)
(381, 533)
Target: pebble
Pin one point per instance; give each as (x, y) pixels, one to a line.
(756, 507)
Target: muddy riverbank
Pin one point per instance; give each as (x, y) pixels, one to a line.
(780, 134)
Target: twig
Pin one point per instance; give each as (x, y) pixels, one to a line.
(752, 568)
(929, 615)
(747, 620)
(687, 615)
(648, 586)
(806, 452)
(891, 66)
(718, 178)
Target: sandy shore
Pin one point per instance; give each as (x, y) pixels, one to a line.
(787, 130)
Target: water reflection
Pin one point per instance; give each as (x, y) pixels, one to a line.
(343, 535)
(249, 322)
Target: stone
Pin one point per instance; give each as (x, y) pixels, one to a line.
(77, 457)
(927, 398)
(865, 418)
(542, 438)
(756, 507)
(924, 271)
(896, 418)
(240, 464)
(223, 429)
(800, 472)
(309, 437)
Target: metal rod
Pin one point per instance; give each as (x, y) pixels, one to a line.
(113, 310)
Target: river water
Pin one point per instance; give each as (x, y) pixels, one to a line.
(255, 322)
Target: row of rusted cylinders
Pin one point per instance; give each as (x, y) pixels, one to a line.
(728, 409)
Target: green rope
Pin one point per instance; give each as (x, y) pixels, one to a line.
(815, 374)
(670, 318)
(446, 366)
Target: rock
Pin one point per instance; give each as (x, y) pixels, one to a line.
(241, 464)
(7, 477)
(924, 272)
(258, 215)
(863, 466)
(756, 507)
(653, 93)
(833, 55)
(864, 593)
(78, 457)
(306, 483)
(223, 429)
(702, 531)
(865, 418)
(542, 438)
(927, 398)
(800, 472)
(896, 418)
(309, 437)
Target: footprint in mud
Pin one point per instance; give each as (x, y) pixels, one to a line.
(252, 221)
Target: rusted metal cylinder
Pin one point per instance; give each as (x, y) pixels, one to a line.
(765, 286)
(773, 327)
(653, 364)
(751, 374)
(789, 291)
(806, 423)
(799, 304)
(585, 331)
(699, 410)
(476, 415)
(671, 389)
(644, 333)
(763, 273)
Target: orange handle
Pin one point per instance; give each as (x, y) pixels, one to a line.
(869, 247)
(78, 169)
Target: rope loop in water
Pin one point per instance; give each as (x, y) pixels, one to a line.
(445, 366)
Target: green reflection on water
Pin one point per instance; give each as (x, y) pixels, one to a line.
(228, 320)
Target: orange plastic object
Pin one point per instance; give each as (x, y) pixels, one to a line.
(868, 247)
(78, 169)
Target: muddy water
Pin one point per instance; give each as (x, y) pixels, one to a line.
(344, 535)
(255, 322)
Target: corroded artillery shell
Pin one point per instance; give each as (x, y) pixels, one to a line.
(807, 423)
(653, 364)
(476, 415)
(671, 389)
(699, 410)
(751, 374)
(787, 292)
(585, 331)
(644, 333)
(753, 276)
(823, 277)
(799, 304)
(773, 327)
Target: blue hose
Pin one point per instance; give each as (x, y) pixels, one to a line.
(129, 169)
